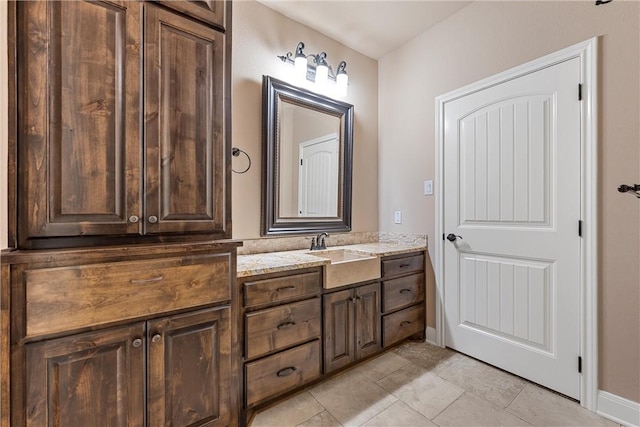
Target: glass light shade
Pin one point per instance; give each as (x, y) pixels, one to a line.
(322, 74)
(301, 67)
(342, 82)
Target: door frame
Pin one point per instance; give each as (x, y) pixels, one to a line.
(587, 51)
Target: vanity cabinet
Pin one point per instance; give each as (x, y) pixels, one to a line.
(122, 121)
(403, 290)
(282, 327)
(351, 325)
(99, 378)
(141, 337)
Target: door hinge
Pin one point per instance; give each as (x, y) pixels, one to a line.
(580, 228)
(442, 236)
(300, 162)
(579, 364)
(579, 91)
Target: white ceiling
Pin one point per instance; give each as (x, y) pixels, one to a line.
(371, 27)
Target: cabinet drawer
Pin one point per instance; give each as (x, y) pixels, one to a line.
(408, 264)
(284, 288)
(273, 375)
(402, 292)
(67, 298)
(280, 327)
(403, 324)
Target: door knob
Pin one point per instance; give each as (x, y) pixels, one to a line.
(153, 219)
(452, 237)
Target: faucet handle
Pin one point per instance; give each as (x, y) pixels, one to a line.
(313, 244)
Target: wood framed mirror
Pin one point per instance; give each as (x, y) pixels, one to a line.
(307, 161)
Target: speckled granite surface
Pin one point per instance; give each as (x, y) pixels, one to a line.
(273, 262)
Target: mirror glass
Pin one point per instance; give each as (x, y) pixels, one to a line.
(308, 142)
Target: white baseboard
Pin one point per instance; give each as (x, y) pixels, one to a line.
(431, 335)
(618, 409)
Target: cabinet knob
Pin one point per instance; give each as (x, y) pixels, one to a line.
(137, 343)
(156, 338)
(153, 219)
(133, 219)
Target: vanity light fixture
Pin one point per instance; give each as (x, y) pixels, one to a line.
(319, 71)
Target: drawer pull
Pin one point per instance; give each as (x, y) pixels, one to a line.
(405, 291)
(405, 324)
(286, 325)
(143, 281)
(405, 265)
(285, 288)
(156, 338)
(136, 343)
(286, 371)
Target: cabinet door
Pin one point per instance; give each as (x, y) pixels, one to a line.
(190, 370)
(93, 379)
(186, 172)
(79, 139)
(211, 11)
(338, 330)
(367, 321)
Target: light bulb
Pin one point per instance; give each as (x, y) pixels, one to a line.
(322, 74)
(342, 82)
(301, 67)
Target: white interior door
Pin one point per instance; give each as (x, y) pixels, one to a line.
(512, 192)
(318, 177)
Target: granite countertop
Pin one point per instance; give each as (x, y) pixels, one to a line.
(273, 262)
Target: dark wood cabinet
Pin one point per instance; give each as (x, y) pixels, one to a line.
(94, 379)
(99, 378)
(190, 369)
(210, 11)
(351, 325)
(403, 301)
(284, 350)
(281, 334)
(91, 76)
(78, 70)
(184, 123)
(135, 337)
(117, 298)
(339, 320)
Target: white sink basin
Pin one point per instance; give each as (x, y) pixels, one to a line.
(347, 267)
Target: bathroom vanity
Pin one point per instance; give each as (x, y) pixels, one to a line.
(296, 329)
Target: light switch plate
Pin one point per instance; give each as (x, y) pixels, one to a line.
(428, 188)
(397, 217)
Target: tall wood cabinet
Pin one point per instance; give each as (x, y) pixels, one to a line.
(122, 121)
(118, 291)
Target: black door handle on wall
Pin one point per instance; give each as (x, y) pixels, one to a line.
(635, 188)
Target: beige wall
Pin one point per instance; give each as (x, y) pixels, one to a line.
(488, 37)
(4, 81)
(259, 34)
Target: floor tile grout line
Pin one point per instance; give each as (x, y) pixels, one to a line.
(447, 407)
(517, 395)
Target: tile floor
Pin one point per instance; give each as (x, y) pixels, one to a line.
(417, 384)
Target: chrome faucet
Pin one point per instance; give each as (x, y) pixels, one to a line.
(318, 243)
